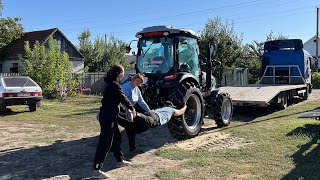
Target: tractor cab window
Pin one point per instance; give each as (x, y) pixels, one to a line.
(155, 55)
(188, 55)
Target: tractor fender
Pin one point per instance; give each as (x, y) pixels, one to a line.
(214, 93)
(178, 79)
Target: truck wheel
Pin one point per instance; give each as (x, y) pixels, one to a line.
(32, 107)
(222, 109)
(189, 124)
(3, 108)
(284, 102)
(306, 94)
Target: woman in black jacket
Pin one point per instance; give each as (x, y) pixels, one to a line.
(110, 137)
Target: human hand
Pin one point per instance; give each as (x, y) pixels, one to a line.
(134, 113)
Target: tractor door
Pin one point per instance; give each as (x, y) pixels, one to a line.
(188, 56)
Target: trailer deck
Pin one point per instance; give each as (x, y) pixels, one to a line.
(257, 94)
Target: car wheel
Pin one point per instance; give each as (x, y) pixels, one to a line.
(3, 108)
(33, 107)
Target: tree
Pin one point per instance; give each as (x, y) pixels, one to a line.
(227, 41)
(102, 53)
(279, 36)
(10, 30)
(50, 68)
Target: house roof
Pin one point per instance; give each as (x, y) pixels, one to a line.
(17, 46)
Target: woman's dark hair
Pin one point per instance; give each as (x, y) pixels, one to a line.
(114, 71)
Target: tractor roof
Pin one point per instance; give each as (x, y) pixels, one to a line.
(170, 29)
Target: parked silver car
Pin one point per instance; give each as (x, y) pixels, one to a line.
(19, 90)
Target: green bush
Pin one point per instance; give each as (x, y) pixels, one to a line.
(316, 80)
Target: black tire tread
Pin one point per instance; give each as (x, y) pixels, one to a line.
(176, 123)
(217, 109)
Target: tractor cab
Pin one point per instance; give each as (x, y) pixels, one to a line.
(164, 50)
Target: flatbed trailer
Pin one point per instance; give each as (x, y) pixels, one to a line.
(270, 92)
(264, 94)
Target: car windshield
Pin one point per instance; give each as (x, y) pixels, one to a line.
(18, 82)
(155, 55)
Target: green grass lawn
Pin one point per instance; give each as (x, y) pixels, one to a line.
(280, 146)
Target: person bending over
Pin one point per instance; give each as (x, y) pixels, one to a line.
(132, 91)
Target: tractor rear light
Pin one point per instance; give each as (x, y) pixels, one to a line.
(171, 77)
(165, 33)
(156, 34)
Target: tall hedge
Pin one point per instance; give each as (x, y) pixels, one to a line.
(50, 68)
(316, 80)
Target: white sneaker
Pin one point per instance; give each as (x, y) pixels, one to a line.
(98, 174)
(123, 163)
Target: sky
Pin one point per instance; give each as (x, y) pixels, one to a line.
(253, 19)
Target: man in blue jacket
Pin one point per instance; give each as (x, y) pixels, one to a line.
(132, 91)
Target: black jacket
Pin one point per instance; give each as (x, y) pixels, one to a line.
(112, 97)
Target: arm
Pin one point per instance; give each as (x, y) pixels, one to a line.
(141, 101)
(179, 112)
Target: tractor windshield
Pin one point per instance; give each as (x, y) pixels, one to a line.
(155, 55)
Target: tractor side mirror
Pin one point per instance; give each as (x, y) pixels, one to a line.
(127, 49)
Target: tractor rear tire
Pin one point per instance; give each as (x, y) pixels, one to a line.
(222, 109)
(189, 124)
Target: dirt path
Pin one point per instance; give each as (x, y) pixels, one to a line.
(71, 158)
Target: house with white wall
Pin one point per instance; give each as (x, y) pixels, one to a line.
(310, 46)
(10, 63)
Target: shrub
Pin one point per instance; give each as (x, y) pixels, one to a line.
(316, 80)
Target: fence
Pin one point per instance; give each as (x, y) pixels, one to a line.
(235, 77)
(95, 81)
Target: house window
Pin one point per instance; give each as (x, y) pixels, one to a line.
(14, 68)
(59, 43)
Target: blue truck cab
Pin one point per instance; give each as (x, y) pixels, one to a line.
(286, 62)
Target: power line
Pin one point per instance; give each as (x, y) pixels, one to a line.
(239, 18)
(183, 14)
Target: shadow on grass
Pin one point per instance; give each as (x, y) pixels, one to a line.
(249, 118)
(307, 158)
(73, 159)
(84, 112)
(246, 114)
(9, 112)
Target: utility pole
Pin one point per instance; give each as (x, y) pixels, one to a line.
(1, 6)
(317, 39)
